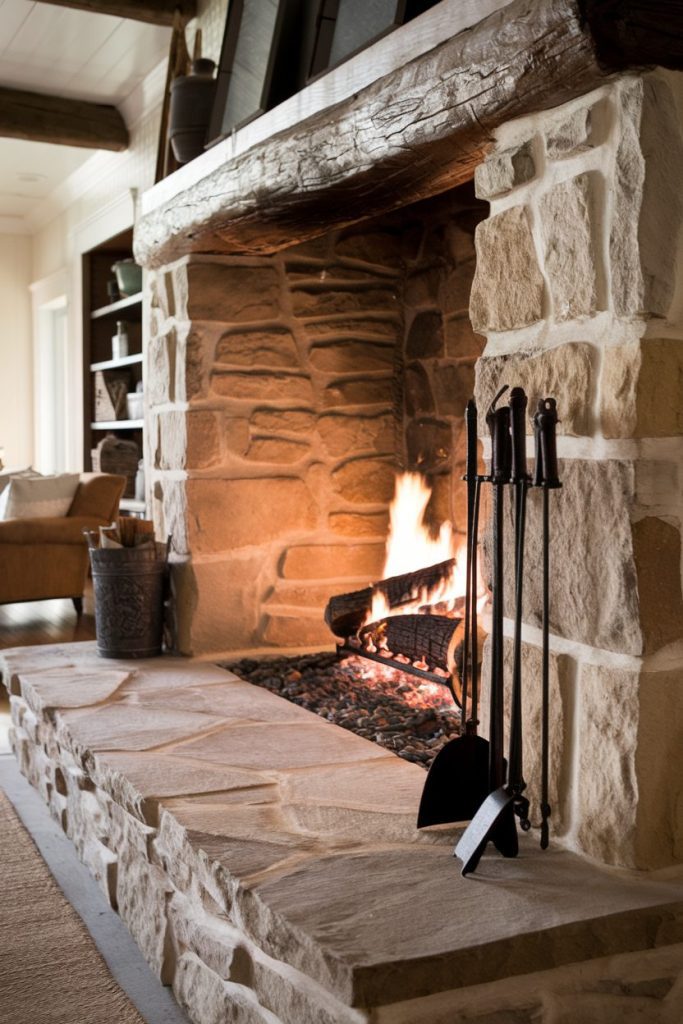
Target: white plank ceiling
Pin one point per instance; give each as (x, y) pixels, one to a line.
(68, 53)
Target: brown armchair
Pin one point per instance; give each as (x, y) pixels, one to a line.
(46, 558)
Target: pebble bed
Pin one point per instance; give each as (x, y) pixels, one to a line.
(410, 716)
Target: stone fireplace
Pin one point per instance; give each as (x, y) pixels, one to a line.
(290, 381)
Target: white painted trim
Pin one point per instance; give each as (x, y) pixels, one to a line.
(393, 51)
(49, 288)
(47, 294)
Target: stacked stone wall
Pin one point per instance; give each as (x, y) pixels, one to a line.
(284, 393)
(575, 290)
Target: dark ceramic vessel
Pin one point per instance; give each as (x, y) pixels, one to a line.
(191, 102)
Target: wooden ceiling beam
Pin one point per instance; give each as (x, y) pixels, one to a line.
(38, 118)
(154, 12)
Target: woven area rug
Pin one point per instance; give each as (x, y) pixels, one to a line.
(50, 969)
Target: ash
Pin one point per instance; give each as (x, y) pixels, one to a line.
(411, 717)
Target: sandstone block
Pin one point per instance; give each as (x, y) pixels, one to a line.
(160, 382)
(572, 136)
(226, 608)
(235, 434)
(225, 292)
(647, 205)
(380, 327)
(351, 357)
(561, 697)
(640, 389)
(504, 171)
(456, 288)
(542, 374)
(453, 386)
(428, 444)
(273, 347)
(290, 595)
(425, 337)
(262, 386)
(507, 291)
(277, 450)
(362, 391)
(355, 524)
(418, 390)
(569, 251)
(460, 340)
(228, 514)
(292, 421)
(171, 514)
(657, 554)
(326, 301)
(343, 435)
(365, 481)
(297, 630)
(172, 443)
(203, 439)
(592, 594)
(422, 286)
(460, 235)
(331, 561)
(194, 354)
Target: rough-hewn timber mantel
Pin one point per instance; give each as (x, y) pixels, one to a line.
(418, 131)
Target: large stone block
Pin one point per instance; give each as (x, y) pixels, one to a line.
(333, 561)
(565, 372)
(344, 434)
(371, 327)
(228, 514)
(356, 524)
(297, 631)
(504, 171)
(453, 386)
(571, 136)
(160, 371)
(326, 301)
(277, 450)
(657, 555)
(593, 580)
(640, 389)
(204, 430)
(569, 250)
(351, 357)
(425, 337)
(272, 347)
(647, 203)
(429, 444)
(365, 481)
(226, 610)
(507, 291)
(225, 292)
(561, 700)
(456, 288)
(262, 386)
(292, 421)
(460, 340)
(358, 391)
(418, 390)
(385, 248)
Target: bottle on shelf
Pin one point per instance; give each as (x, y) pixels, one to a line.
(119, 341)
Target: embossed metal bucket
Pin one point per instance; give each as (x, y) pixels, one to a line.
(129, 600)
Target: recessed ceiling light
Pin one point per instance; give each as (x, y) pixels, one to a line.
(29, 176)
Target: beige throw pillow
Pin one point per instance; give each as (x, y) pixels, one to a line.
(38, 497)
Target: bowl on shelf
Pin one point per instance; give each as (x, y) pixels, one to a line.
(128, 277)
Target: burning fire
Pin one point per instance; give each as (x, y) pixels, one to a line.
(412, 546)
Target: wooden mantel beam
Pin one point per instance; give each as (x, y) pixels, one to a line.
(420, 130)
(155, 12)
(39, 118)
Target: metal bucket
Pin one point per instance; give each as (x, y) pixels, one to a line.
(129, 600)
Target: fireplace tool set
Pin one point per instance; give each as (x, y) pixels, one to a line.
(470, 778)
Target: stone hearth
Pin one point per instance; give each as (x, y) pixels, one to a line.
(268, 865)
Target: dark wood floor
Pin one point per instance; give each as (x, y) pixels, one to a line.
(46, 622)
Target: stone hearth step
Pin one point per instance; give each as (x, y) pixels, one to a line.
(268, 865)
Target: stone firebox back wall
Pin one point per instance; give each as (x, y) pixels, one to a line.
(284, 393)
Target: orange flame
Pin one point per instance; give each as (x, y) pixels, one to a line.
(412, 546)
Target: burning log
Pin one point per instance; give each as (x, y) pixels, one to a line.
(346, 613)
(430, 640)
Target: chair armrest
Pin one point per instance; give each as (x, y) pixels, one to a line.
(48, 530)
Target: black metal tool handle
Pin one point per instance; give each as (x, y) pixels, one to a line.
(545, 422)
(518, 406)
(472, 485)
(498, 421)
(471, 429)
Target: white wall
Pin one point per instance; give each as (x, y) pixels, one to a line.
(16, 351)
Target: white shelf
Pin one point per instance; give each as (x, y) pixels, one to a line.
(131, 505)
(116, 307)
(117, 425)
(114, 364)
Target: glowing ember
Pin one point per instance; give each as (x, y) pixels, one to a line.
(412, 546)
